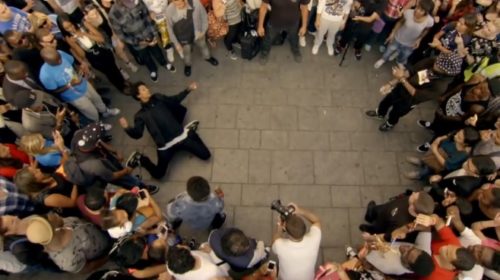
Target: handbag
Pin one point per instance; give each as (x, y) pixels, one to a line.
(431, 161)
(217, 27)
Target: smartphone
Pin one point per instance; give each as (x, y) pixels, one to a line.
(271, 265)
(142, 194)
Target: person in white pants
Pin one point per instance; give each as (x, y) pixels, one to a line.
(331, 17)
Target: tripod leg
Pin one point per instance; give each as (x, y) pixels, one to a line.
(344, 54)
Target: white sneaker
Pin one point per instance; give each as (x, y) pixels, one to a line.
(170, 54)
(379, 63)
(132, 67)
(125, 75)
(107, 126)
(232, 55)
(315, 50)
(330, 50)
(302, 41)
(368, 47)
(110, 112)
(393, 56)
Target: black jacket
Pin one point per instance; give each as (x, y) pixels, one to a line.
(163, 117)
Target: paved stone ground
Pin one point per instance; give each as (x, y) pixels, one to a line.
(291, 131)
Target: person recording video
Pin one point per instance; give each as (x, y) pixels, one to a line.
(296, 248)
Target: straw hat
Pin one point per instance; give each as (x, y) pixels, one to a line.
(39, 231)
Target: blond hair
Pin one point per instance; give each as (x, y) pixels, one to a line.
(34, 144)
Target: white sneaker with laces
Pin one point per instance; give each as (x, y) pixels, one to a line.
(302, 41)
(368, 47)
(315, 49)
(379, 63)
(107, 126)
(110, 112)
(330, 49)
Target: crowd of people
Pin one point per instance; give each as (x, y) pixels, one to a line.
(70, 204)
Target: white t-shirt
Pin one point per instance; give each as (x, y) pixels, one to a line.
(297, 260)
(468, 238)
(408, 33)
(206, 271)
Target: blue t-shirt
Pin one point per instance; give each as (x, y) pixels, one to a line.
(455, 158)
(56, 76)
(52, 159)
(19, 21)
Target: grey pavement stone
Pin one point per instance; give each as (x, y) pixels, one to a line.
(308, 118)
(305, 140)
(219, 138)
(184, 166)
(334, 254)
(249, 138)
(253, 117)
(283, 117)
(367, 141)
(356, 217)
(259, 195)
(259, 170)
(230, 166)
(271, 96)
(225, 116)
(346, 196)
(335, 226)
(309, 97)
(292, 167)
(341, 168)
(255, 222)
(380, 168)
(274, 139)
(339, 141)
(339, 119)
(306, 195)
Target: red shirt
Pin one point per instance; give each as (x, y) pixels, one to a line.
(446, 237)
(9, 171)
(93, 218)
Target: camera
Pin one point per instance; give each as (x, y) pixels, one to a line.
(284, 211)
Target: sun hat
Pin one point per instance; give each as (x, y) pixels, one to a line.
(39, 230)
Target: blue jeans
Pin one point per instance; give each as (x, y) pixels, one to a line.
(403, 52)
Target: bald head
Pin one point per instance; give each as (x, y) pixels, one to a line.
(50, 56)
(16, 70)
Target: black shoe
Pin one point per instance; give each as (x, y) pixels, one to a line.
(374, 114)
(424, 124)
(133, 160)
(337, 50)
(424, 147)
(154, 77)
(152, 189)
(385, 127)
(357, 54)
(187, 71)
(170, 67)
(212, 61)
(370, 212)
